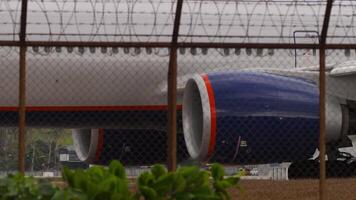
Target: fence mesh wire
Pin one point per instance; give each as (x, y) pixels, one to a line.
(251, 109)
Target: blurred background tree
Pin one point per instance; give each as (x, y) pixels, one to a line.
(41, 148)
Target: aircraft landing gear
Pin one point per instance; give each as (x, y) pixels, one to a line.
(338, 165)
(304, 169)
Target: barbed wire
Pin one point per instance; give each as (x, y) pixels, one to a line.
(211, 21)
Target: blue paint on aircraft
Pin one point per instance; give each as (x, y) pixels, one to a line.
(264, 118)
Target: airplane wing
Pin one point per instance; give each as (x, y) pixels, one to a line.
(328, 68)
(344, 69)
(340, 79)
(338, 76)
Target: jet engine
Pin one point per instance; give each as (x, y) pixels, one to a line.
(250, 117)
(131, 147)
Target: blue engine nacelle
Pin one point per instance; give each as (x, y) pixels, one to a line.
(250, 117)
(131, 147)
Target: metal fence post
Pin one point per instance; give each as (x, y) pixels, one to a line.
(172, 93)
(322, 124)
(322, 146)
(22, 89)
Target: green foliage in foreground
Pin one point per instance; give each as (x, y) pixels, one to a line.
(111, 183)
(25, 188)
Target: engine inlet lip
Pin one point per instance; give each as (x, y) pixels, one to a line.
(86, 153)
(197, 118)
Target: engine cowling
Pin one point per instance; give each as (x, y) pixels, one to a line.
(131, 147)
(250, 117)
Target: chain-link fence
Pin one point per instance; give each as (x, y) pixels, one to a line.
(248, 87)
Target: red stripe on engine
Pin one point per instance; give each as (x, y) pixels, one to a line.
(100, 145)
(89, 108)
(212, 115)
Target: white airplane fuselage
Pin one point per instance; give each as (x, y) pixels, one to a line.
(100, 79)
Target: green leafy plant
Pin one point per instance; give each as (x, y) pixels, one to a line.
(20, 187)
(186, 183)
(97, 183)
(221, 183)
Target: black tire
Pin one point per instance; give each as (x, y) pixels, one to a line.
(340, 169)
(303, 170)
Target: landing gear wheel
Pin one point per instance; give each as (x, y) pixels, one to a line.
(310, 169)
(303, 170)
(340, 169)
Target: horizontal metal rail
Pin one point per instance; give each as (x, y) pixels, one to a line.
(180, 45)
